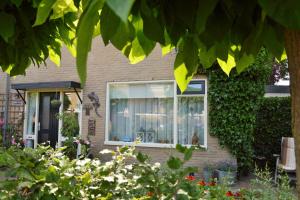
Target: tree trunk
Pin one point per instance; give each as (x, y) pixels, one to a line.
(292, 45)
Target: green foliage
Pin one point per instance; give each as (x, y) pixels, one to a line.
(272, 123)
(43, 173)
(33, 30)
(70, 131)
(234, 102)
(263, 188)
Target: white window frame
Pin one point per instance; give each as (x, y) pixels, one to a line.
(175, 106)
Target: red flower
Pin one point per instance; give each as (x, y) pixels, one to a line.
(229, 194)
(190, 178)
(150, 194)
(201, 183)
(212, 183)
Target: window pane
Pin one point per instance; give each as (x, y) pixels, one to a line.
(190, 119)
(31, 113)
(149, 119)
(45, 112)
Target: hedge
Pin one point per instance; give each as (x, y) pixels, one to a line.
(273, 121)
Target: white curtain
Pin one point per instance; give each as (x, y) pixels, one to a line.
(190, 119)
(149, 119)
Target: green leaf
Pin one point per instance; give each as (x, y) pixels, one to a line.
(174, 163)
(286, 13)
(151, 28)
(54, 57)
(188, 153)
(244, 62)
(17, 2)
(182, 197)
(205, 8)
(7, 25)
(190, 55)
(85, 29)
(181, 72)
(43, 11)
(121, 8)
(227, 65)
(141, 157)
(109, 24)
(180, 148)
(61, 7)
(274, 40)
(207, 58)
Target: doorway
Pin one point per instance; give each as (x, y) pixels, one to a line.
(48, 119)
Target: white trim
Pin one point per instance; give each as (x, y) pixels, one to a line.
(25, 118)
(175, 105)
(37, 123)
(60, 121)
(175, 131)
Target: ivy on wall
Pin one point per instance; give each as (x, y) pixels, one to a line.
(233, 105)
(273, 122)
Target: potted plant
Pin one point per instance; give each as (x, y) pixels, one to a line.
(55, 103)
(226, 172)
(208, 171)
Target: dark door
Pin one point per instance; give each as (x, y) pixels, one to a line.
(48, 130)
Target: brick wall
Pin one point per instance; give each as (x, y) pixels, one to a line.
(107, 65)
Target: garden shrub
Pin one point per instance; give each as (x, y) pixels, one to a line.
(233, 103)
(272, 123)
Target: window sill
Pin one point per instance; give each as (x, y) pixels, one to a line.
(155, 145)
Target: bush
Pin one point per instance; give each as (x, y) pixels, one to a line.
(273, 122)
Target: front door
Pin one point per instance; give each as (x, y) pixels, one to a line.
(48, 119)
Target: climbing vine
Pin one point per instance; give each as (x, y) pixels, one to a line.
(233, 105)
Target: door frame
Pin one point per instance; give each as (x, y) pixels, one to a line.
(36, 120)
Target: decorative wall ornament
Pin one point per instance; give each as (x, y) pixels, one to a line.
(87, 107)
(92, 127)
(95, 102)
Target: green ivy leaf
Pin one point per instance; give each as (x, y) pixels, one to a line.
(7, 25)
(174, 163)
(121, 8)
(85, 29)
(44, 9)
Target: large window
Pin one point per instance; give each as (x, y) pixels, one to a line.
(155, 114)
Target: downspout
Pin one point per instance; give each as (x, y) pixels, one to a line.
(6, 107)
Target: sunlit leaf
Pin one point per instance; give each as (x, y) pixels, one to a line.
(43, 11)
(227, 65)
(61, 7)
(181, 72)
(121, 7)
(244, 62)
(85, 31)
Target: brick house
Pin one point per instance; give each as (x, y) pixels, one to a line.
(139, 100)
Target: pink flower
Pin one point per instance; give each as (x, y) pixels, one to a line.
(13, 141)
(87, 142)
(77, 141)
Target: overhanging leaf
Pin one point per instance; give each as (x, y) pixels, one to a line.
(181, 72)
(204, 10)
(286, 13)
(121, 7)
(7, 25)
(85, 29)
(227, 65)
(174, 163)
(61, 7)
(43, 11)
(244, 62)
